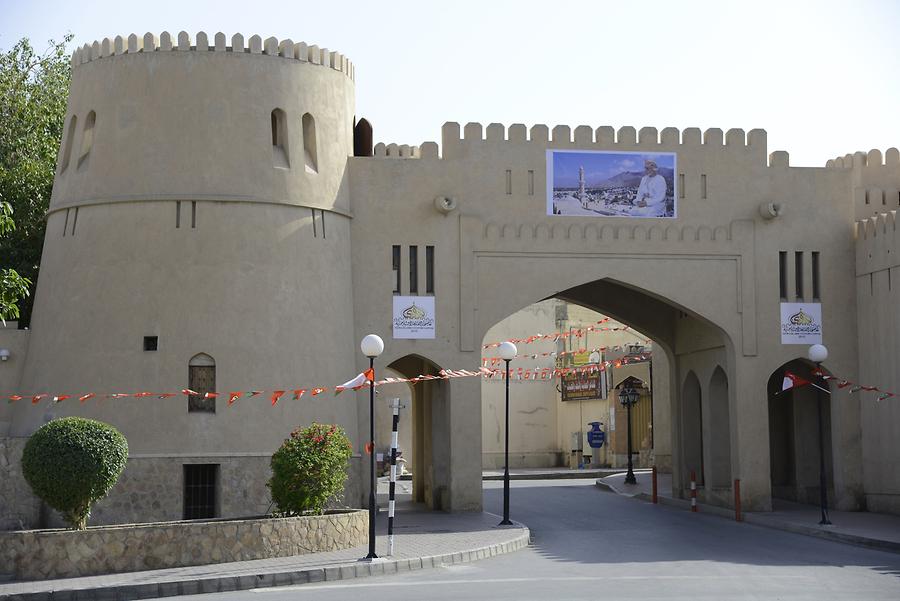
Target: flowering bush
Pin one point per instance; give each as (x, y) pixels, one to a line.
(309, 469)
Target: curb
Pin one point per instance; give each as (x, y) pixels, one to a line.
(768, 522)
(570, 475)
(221, 584)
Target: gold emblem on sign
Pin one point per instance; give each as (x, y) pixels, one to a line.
(414, 312)
(801, 319)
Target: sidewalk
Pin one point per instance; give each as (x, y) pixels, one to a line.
(422, 540)
(873, 530)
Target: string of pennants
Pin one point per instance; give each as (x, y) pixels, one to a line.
(854, 387)
(581, 351)
(363, 380)
(577, 333)
(603, 365)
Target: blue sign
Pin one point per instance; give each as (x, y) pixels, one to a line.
(596, 437)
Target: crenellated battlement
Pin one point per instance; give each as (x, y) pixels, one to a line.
(455, 138)
(877, 243)
(149, 42)
(873, 158)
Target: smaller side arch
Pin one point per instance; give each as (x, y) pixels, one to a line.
(201, 379)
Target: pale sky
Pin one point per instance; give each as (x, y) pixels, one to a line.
(823, 78)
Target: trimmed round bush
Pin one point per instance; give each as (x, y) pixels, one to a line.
(73, 462)
(309, 469)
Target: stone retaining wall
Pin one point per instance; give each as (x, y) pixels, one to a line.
(43, 554)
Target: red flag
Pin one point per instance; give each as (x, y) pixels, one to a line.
(316, 391)
(233, 396)
(210, 395)
(370, 446)
(189, 392)
(37, 398)
(140, 395)
(87, 396)
(60, 398)
(166, 395)
(276, 395)
(792, 380)
(14, 398)
(299, 393)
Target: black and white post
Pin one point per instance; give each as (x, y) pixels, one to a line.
(395, 409)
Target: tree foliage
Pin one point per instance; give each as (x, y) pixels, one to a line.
(33, 93)
(73, 462)
(309, 469)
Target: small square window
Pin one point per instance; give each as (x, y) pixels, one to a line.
(151, 343)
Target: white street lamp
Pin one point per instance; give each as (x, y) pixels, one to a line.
(818, 353)
(508, 352)
(372, 346)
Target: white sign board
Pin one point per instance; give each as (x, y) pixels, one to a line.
(413, 317)
(801, 323)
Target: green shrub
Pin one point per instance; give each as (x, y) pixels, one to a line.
(309, 469)
(72, 462)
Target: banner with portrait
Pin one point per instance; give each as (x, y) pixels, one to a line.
(598, 183)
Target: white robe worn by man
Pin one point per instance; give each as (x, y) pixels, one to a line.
(651, 195)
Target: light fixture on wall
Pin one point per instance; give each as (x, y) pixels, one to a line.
(4, 354)
(372, 346)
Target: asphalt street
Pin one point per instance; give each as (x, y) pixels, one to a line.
(590, 544)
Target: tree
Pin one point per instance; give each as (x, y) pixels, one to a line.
(33, 93)
(71, 463)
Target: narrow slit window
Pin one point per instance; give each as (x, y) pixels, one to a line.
(315, 228)
(177, 214)
(703, 186)
(87, 138)
(395, 263)
(280, 156)
(66, 225)
(322, 215)
(413, 269)
(74, 221)
(309, 144)
(509, 181)
(681, 185)
(782, 275)
(530, 182)
(816, 289)
(429, 270)
(193, 214)
(798, 274)
(67, 151)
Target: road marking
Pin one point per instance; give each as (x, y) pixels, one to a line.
(313, 587)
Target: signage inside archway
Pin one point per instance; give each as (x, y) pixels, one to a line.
(801, 323)
(581, 387)
(413, 317)
(611, 184)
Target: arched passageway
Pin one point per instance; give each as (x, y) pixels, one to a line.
(430, 437)
(794, 435)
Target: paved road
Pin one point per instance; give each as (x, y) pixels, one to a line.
(590, 544)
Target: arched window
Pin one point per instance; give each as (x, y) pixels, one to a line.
(280, 155)
(87, 138)
(67, 150)
(202, 379)
(309, 144)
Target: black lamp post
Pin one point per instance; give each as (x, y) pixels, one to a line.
(628, 397)
(508, 352)
(818, 353)
(372, 346)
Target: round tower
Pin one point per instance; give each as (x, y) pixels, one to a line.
(198, 236)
